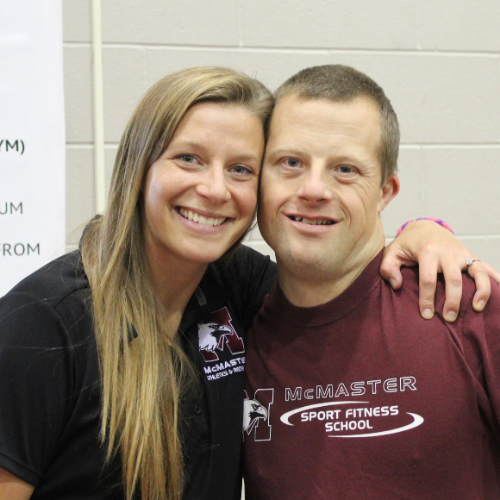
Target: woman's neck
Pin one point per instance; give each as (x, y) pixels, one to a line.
(174, 281)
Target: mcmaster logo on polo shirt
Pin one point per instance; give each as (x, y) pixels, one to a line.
(217, 337)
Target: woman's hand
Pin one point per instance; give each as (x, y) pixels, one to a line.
(436, 250)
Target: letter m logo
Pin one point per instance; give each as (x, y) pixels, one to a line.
(257, 413)
(218, 333)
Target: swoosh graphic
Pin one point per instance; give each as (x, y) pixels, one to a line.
(417, 420)
(284, 418)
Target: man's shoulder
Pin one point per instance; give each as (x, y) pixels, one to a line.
(411, 287)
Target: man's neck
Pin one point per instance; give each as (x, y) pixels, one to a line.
(308, 289)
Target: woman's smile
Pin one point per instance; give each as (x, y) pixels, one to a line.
(201, 194)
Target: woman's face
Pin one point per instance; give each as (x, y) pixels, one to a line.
(200, 195)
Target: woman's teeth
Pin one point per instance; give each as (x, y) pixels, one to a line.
(201, 219)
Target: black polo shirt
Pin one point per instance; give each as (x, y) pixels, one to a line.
(50, 387)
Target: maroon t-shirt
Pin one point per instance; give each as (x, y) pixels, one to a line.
(361, 398)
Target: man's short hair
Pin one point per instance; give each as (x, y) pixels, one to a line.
(339, 83)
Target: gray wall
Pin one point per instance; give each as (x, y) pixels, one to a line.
(438, 60)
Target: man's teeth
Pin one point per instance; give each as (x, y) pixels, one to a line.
(314, 222)
(201, 219)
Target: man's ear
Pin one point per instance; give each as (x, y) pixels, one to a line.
(388, 191)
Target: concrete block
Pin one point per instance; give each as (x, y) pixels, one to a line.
(438, 98)
(254, 240)
(124, 85)
(161, 61)
(462, 186)
(384, 24)
(459, 25)
(190, 22)
(130, 71)
(109, 158)
(271, 67)
(254, 234)
(77, 26)
(458, 185)
(486, 248)
(262, 247)
(78, 94)
(80, 195)
(70, 248)
(408, 204)
(431, 94)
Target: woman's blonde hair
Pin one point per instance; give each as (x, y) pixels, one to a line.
(144, 371)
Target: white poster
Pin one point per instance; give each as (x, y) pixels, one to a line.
(32, 141)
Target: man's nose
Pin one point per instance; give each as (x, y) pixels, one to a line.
(315, 186)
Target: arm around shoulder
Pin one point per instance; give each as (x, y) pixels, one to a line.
(436, 250)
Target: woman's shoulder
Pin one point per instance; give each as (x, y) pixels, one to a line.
(243, 268)
(246, 278)
(57, 293)
(56, 280)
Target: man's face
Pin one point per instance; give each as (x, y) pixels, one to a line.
(320, 187)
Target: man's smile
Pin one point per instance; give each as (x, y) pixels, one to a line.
(313, 222)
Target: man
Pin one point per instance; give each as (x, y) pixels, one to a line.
(351, 394)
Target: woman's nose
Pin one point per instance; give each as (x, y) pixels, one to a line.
(214, 185)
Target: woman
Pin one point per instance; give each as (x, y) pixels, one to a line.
(121, 365)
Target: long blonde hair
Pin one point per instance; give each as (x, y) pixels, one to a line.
(145, 376)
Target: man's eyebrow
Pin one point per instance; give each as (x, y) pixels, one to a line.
(337, 157)
(284, 151)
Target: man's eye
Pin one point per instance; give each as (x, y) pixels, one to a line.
(292, 162)
(242, 170)
(345, 169)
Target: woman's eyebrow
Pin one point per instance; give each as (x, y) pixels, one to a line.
(196, 146)
(185, 144)
(249, 157)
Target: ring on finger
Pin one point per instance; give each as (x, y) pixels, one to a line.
(469, 262)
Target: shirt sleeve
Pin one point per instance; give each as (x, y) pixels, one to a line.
(35, 384)
(481, 341)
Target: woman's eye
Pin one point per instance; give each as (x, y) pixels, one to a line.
(187, 158)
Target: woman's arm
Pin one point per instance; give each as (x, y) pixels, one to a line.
(13, 488)
(36, 381)
(436, 250)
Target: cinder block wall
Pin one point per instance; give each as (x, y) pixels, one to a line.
(438, 60)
